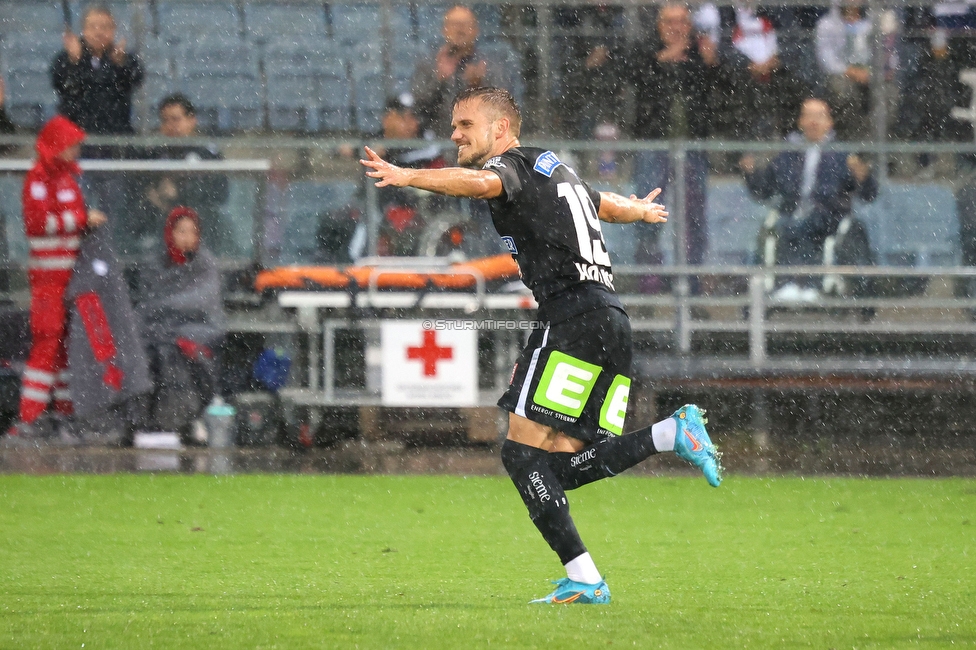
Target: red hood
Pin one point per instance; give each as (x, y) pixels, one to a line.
(57, 135)
(179, 212)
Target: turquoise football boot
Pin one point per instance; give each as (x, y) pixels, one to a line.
(580, 593)
(691, 442)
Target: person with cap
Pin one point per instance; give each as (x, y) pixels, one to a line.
(55, 220)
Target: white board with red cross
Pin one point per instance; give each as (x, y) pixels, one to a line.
(427, 366)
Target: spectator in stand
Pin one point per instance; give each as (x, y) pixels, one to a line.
(764, 95)
(672, 78)
(55, 220)
(844, 54)
(455, 66)
(814, 190)
(95, 77)
(929, 99)
(158, 194)
(183, 323)
(592, 68)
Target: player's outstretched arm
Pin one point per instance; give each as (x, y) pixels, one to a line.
(615, 208)
(452, 181)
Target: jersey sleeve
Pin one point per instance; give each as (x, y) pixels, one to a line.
(507, 168)
(594, 196)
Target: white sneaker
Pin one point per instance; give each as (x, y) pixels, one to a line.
(789, 292)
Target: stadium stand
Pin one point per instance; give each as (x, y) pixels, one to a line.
(159, 80)
(357, 23)
(26, 62)
(277, 23)
(294, 72)
(183, 21)
(305, 202)
(34, 16)
(222, 75)
(334, 92)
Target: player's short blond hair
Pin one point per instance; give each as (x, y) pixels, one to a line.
(497, 100)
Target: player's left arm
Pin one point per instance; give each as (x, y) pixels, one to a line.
(615, 208)
(451, 181)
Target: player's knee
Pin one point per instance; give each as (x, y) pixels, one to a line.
(516, 456)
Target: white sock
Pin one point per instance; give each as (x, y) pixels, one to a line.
(663, 434)
(582, 569)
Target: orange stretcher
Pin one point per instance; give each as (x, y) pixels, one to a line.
(460, 275)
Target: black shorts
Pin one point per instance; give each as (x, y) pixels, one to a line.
(575, 375)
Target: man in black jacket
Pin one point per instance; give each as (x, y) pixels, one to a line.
(673, 77)
(157, 194)
(95, 77)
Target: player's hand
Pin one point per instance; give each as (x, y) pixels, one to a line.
(72, 45)
(97, 218)
(387, 173)
(652, 212)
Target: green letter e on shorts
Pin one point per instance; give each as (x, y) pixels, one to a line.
(566, 384)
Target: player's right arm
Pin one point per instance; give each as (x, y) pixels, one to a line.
(615, 208)
(451, 181)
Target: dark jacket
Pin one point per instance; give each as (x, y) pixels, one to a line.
(206, 192)
(657, 84)
(96, 94)
(830, 200)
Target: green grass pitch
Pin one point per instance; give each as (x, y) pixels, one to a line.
(132, 561)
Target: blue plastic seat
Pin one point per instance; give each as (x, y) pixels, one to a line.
(36, 16)
(335, 93)
(184, 21)
(267, 22)
(30, 97)
(227, 103)
(217, 56)
(354, 23)
(369, 87)
(294, 73)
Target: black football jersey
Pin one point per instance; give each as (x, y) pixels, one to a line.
(547, 218)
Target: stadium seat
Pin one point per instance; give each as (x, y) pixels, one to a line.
(27, 58)
(185, 21)
(430, 22)
(357, 23)
(305, 202)
(733, 212)
(369, 87)
(913, 224)
(489, 20)
(294, 73)
(335, 92)
(265, 22)
(34, 16)
(158, 81)
(222, 78)
(503, 55)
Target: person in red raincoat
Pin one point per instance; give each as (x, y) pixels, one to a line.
(55, 220)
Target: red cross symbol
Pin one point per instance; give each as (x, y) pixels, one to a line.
(430, 353)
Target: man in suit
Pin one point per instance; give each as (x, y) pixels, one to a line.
(813, 188)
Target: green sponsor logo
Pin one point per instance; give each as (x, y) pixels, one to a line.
(614, 410)
(566, 384)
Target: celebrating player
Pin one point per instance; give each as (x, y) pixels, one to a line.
(568, 396)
